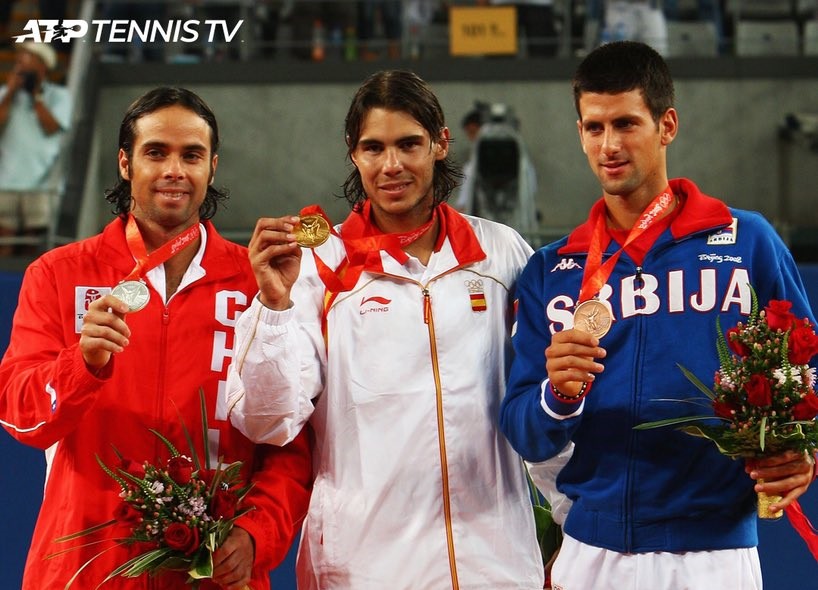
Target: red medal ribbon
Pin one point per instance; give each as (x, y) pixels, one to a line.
(145, 261)
(596, 273)
(363, 245)
(803, 527)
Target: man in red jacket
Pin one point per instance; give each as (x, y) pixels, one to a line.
(118, 334)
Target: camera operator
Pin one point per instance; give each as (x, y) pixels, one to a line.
(34, 115)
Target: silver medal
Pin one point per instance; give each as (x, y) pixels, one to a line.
(134, 294)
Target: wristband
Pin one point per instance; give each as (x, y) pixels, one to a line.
(567, 398)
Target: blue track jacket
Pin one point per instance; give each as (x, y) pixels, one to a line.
(660, 489)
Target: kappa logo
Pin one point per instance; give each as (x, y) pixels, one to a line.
(725, 236)
(566, 264)
(374, 305)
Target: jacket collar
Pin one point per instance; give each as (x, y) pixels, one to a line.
(217, 250)
(453, 227)
(699, 212)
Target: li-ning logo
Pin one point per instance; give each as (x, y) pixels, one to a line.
(128, 31)
(374, 304)
(725, 236)
(566, 264)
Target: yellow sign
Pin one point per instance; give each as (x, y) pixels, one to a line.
(483, 30)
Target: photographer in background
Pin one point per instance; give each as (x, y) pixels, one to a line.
(34, 115)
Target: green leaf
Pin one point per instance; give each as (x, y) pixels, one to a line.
(173, 451)
(202, 567)
(674, 421)
(122, 483)
(194, 456)
(82, 533)
(86, 564)
(695, 381)
(549, 534)
(143, 563)
(762, 432)
(205, 428)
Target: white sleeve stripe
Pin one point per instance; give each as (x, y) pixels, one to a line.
(553, 414)
(52, 394)
(21, 430)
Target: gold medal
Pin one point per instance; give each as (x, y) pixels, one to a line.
(312, 231)
(134, 294)
(593, 316)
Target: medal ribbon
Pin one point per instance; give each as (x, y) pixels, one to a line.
(145, 261)
(363, 252)
(596, 274)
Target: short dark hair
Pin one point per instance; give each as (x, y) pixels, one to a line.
(399, 91)
(159, 98)
(622, 66)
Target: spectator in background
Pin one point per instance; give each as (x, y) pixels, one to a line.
(34, 116)
(390, 12)
(499, 178)
(632, 20)
(536, 22)
(470, 124)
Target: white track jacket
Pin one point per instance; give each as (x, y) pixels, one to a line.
(415, 488)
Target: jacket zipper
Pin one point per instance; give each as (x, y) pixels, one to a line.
(441, 435)
(160, 387)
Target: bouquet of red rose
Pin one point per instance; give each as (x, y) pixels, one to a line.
(177, 511)
(763, 395)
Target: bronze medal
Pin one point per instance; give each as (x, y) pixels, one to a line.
(313, 231)
(593, 316)
(134, 294)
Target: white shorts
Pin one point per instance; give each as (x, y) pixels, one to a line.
(583, 567)
(22, 210)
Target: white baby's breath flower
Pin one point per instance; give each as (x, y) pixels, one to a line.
(780, 375)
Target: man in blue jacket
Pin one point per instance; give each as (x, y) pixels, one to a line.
(604, 317)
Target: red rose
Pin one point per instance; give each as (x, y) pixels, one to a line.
(126, 513)
(223, 504)
(802, 345)
(133, 468)
(735, 344)
(723, 409)
(779, 316)
(206, 475)
(758, 391)
(180, 469)
(181, 537)
(807, 408)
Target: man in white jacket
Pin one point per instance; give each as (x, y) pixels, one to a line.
(393, 346)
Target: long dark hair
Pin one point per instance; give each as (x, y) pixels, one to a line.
(158, 98)
(400, 91)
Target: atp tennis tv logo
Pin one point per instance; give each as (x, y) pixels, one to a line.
(128, 31)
